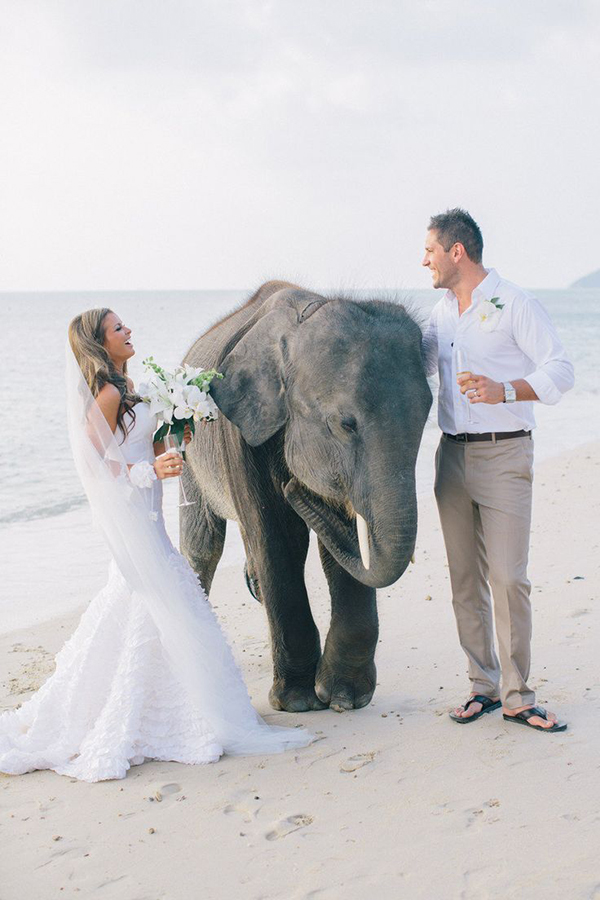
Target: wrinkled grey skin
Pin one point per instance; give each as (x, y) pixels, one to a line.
(324, 405)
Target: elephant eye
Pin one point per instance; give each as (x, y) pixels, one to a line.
(349, 424)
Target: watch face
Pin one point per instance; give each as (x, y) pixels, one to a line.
(509, 393)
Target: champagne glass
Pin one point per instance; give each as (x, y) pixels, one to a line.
(174, 445)
(463, 368)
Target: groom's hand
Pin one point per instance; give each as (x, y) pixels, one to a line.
(480, 389)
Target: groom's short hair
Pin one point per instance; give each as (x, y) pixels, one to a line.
(456, 226)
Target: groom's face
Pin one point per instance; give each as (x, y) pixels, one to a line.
(439, 262)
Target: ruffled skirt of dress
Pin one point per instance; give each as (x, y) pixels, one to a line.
(112, 702)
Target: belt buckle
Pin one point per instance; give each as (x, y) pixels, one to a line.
(462, 438)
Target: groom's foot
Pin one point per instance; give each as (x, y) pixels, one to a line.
(473, 707)
(538, 721)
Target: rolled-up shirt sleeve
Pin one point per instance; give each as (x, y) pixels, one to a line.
(536, 337)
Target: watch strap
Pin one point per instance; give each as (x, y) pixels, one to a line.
(510, 394)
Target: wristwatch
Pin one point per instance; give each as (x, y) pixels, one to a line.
(510, 395)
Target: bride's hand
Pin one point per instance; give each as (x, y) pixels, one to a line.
(168, 465)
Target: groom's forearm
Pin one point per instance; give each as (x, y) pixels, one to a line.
(524, 390)
(481, 389)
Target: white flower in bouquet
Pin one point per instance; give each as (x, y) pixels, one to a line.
(178, 398)
(191, 402)
(156, 393)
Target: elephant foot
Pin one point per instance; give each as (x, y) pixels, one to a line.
(294, 698)
(342, 689)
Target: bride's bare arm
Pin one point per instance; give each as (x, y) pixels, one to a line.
(109, 401)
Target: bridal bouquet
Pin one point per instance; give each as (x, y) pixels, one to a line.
(178, 398)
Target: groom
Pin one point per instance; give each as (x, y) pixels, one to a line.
(497, 354)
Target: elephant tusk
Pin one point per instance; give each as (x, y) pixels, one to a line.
(362, 530)
(412, 559)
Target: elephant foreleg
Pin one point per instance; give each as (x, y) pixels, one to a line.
(346, 675)
(277, 563)
(202, 535)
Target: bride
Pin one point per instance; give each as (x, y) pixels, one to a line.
(148, 673)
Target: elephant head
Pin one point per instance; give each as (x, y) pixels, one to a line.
(345, 380)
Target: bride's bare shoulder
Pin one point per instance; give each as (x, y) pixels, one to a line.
(109, 394)
(109, 401)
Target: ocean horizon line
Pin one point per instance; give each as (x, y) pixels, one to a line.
(237, 290)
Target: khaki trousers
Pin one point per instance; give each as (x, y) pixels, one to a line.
(483, 491)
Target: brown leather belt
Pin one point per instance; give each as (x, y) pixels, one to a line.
(488, 436)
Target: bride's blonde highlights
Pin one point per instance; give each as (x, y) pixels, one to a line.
(86, 337)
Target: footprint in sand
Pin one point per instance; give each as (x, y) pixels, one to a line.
(247, 806)
(160, 792)
(287, 826)
(358, 761)
(243, 811)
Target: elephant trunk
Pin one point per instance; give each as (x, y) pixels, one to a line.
(374, 542)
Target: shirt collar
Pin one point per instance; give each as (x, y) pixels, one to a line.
(485, 290)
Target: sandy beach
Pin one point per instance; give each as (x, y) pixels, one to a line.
(392, 801)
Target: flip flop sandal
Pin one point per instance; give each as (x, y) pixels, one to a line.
(522, 719)
(488, 705)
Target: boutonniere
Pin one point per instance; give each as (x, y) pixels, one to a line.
(489, 312)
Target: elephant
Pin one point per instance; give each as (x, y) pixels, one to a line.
(324, 402)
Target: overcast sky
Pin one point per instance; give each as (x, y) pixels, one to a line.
(214, 144)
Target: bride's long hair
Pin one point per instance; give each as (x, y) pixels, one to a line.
(86, 337)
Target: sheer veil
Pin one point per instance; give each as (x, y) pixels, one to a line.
(190, 634)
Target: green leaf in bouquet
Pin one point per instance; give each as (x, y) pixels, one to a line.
(150, 364)
(204, 379)
(178, 427)
(161, 433)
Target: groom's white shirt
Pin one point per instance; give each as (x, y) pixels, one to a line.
(523, 344)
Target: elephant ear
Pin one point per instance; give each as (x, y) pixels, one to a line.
(252, 393)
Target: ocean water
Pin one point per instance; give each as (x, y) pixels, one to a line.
(37, 475)
(52, 559)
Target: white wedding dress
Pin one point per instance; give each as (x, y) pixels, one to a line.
(122, 691)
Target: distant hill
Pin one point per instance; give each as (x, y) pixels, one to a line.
(592, 280)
